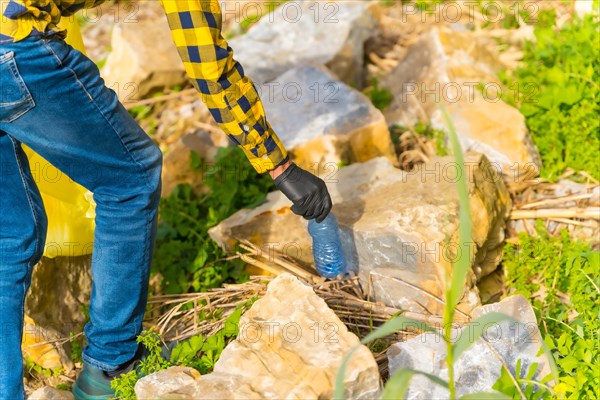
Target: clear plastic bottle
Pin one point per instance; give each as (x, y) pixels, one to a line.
(327, 247)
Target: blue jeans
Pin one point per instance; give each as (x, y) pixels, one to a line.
(53, 99)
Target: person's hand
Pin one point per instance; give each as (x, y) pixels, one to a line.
(308, 192)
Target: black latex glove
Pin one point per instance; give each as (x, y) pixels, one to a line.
(307, 191)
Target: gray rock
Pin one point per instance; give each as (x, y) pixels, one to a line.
(394, 228)
(290, 346)
(323, 121)
(301, 32)
(479, 367)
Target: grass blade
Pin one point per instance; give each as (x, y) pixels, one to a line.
(462, 266)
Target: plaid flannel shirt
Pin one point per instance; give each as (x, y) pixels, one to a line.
(208, 60)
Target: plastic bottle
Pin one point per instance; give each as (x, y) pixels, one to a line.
(327, 247)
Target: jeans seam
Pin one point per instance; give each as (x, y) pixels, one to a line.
(29, 200)
(144, 172)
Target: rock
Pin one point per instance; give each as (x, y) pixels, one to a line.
(290, 346)
(479, 367)
(497, 130)
(177, 162)
(307, 32)
(395, 227)
(324, 122)
(50, 393)
(139, 63)
(447, 67)
(160, 383)
(36, 348)
(60, 287)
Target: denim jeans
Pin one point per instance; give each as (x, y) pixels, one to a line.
(53, 99)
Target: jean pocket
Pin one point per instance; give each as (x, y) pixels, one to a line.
(15, 98)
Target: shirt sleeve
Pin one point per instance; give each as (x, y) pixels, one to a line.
(230, 96)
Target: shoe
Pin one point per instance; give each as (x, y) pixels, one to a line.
(94, 383)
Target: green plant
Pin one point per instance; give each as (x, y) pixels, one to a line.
(557, 91)
(560, 277)
(185, 256)
(398, 383)
(201, 352)
(380, 97)
(531, 389)
(76, 347)
(437, 135)
(124, 384)
(32, 367)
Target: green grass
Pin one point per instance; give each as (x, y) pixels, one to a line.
(380, 97)
(557, 90)
(560, 276)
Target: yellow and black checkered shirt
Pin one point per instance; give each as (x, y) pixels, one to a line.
(196, 29)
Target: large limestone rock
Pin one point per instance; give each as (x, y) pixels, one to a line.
(301, 32)
(399, 229)
(50, 393)
(290, 346)
(479, 367)
(163, 382)
(323, 121)
(143, 59)
(448, 67)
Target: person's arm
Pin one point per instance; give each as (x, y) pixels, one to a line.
(235, 104)
(230, 95)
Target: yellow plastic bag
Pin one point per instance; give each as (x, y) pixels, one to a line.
(69, 206)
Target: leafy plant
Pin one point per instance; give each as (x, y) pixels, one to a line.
(380, 97)
(559, 276)
(185, 256)
(124, 385)
(32, 367)
(532, 389)
(557, 91)
(201, 352)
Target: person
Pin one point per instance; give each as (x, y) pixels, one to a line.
(53, 99)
